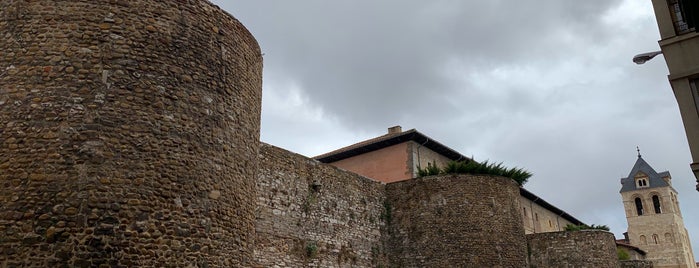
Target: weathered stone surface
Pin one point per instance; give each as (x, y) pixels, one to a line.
(636, 264)
(315, 215)
(108, 155)
(587, 248)
(455, 221)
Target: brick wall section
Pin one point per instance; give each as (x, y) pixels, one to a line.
(636, 264)
(456, 221)
(128, 134)
(302, 203)
(588, 248)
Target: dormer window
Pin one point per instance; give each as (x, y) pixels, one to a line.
(641, 182)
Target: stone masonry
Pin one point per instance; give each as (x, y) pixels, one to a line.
(579, 249)
(129, 137)
(315, 215)
(129, 134)
(456, 221)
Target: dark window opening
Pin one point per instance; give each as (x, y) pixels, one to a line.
(642, 183)
(656, 204)
(639, 206)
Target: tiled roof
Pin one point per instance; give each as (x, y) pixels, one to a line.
(541, 202)
(624, 243)
(386, 141)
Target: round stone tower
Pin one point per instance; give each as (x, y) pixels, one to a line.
(129, 133)
(456, 221)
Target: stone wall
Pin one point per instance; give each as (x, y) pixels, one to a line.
(636, 264)
(129, 134)
(587, 248)
(315, 215)
(456, 221)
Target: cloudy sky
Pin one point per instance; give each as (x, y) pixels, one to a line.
(547, 85)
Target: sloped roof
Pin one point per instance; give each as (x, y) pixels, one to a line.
(386, 141)
(624, 243)
(541, 202)
(655, 179)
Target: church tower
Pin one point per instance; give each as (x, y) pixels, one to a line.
(654, 218)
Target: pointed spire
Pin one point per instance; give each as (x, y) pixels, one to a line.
(639, 151)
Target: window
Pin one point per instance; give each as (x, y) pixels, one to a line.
(550, 224)
(639, 206)
(643, 240)
(682, 13)
(524, 210)
(536, 216)
(642, 183)
(655, 239)
(656, 204)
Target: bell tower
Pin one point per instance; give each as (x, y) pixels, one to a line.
(653, 214)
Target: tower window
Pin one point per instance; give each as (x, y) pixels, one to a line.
(643, 240)
(655, 239)
(656, 204)
(642, 183)
(639, 206)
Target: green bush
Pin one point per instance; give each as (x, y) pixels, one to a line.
(432, 169)
(311, 249)
(472, 167)
(572, 227)
(622, 254)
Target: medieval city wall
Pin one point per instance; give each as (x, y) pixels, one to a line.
(129, 134)
(587, 248)
(456, 221)
(315, 215)
(129, 137)
(636, 264)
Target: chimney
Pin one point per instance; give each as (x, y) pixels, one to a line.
(395, 130)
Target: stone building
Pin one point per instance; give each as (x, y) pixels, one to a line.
(654, 217)
(679, 43)
(397, 156)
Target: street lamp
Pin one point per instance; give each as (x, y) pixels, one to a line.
(642, 58)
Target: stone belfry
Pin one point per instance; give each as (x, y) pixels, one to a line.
(654, 218)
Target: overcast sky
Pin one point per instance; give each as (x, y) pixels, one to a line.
(547, 85)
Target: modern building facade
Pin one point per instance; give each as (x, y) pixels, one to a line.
(397, 156)
(654, 219)
(680, 46)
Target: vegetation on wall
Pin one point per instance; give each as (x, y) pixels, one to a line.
(472, 167)
(432, 169)
(572, 227)
(311, 249)
(386, 213)
(622, 254)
